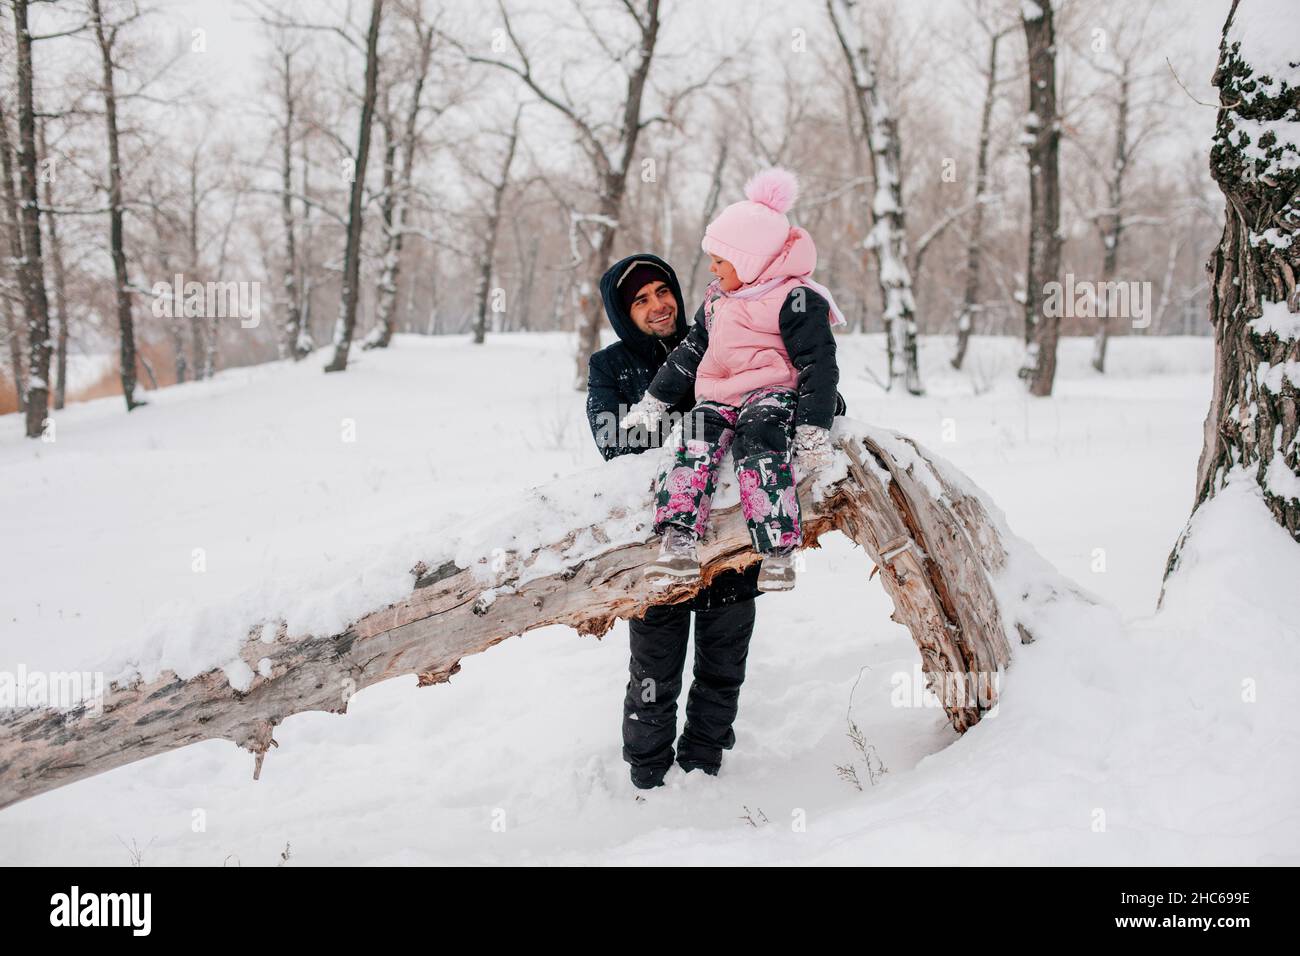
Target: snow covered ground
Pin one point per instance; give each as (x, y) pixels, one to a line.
(1122, 737)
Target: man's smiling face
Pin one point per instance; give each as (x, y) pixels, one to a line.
(654, 310)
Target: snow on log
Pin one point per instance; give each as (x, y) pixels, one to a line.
(943, 552)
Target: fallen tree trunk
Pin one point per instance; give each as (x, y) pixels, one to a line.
(938, 549)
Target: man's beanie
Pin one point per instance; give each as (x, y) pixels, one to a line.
(634, 278)
(750, 233)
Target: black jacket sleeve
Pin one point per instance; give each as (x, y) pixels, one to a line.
(606, 406)
(676, 378)
(806, 331)
(604, 410)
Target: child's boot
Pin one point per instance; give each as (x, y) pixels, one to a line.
(777, 572)
(677, 562)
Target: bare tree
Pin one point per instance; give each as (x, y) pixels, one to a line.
(397, 184)
(888, 237)
(1042, 132)
(490, 228)
(12, 299)
(1133, 123)
(32, 269)
(106, 38)
(970, 306)
(1254, 413)
(60, 280)
(291, 336)
(166, 231)
(347, 320)
(610, 161)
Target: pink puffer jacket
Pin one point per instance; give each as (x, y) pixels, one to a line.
(745, 347)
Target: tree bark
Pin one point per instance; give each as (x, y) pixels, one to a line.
(1042, 328)
(939, 550)
(32, 270)
(1251, 425)
(352, 253)
(888, 237)
(122, 295)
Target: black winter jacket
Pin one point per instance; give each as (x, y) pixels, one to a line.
(805, 323)
(617, 378)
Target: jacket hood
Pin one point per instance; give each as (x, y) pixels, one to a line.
(638, 341)
(796, 259)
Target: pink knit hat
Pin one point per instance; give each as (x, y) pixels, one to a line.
(748, 234)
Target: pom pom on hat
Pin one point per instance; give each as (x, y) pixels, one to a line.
(776, 188)
(750, 233)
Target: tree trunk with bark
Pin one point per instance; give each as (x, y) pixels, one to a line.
(940, 550)
(888, 237)
(1251, 425)
(32, 270)
(1042, 325)
(347, 321)
(106, 37)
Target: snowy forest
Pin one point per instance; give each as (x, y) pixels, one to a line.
(421, 168)
(304, 305)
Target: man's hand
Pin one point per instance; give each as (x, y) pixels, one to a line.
(645, 413)
(812, 448)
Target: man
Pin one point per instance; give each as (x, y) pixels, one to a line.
(643, 301)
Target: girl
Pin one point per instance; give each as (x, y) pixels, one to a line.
(761, 357)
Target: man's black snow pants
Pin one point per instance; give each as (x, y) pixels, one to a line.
(658, 644)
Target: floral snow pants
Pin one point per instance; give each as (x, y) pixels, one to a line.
(758, 431)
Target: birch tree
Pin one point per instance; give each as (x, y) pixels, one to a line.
(291, 337)
(55, 244)
(888, 236)
(399, 167)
